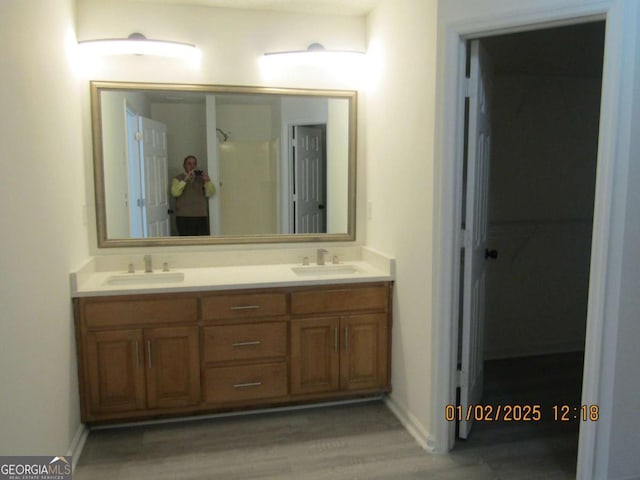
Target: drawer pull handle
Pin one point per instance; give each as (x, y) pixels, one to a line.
(246, 307)
(247, 385)
(245, 344)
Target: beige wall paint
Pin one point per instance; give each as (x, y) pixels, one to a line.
(186, 132)
(231, 41)
(337, 166)
(43, 238)
(399, 121)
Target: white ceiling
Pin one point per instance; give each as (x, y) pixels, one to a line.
(325, 7)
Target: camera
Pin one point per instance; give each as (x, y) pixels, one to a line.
(198, 172)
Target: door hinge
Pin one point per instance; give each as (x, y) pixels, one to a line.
(467, 87)
(138, 136)
(459, 378)
(141, 202)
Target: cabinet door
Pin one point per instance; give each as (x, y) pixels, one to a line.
(363, 361)
(315, 355)
(173, 366)
(115, 371)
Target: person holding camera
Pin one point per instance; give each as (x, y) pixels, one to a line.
(191, 191)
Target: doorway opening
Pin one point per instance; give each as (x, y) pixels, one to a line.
(544, 93)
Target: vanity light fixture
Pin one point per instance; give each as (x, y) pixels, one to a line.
(138, 44)
(316, 55)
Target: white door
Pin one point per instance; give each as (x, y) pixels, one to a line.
(135, 192)
(310, 169)
(156, 197)
(475, 235)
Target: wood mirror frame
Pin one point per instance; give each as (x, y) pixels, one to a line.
(259, 94)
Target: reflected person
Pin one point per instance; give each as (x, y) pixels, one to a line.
(191, 190)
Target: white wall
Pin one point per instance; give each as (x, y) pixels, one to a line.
(337, 166)
(186, 132)
(43, 238)
(399, 137)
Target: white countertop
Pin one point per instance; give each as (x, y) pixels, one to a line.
(88, 282)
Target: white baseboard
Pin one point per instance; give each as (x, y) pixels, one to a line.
(411, 424)
(77, 444)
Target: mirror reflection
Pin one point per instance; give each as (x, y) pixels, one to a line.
(194, 164)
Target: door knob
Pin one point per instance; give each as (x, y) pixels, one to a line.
(490, 254)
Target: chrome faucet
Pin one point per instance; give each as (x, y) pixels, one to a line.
(148, 268)
(321, 252)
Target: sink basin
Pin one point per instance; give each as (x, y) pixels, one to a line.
(145, 278)
(319, 270)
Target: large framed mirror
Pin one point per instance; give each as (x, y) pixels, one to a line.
(272, 165)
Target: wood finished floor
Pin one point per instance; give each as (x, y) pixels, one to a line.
(355, 441)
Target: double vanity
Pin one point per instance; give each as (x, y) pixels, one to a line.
(212, 338)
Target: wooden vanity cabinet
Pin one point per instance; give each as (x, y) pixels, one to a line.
(339, 340)
(245, 348)
(137, 357)
(154, 355)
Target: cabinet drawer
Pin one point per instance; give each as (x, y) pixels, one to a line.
(248, 382)
(245, 342)
(244, 306)
(140, 312)
(340, 300)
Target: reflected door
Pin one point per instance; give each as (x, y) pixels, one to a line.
(155, 158)
(134, 166)
(310, 179)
